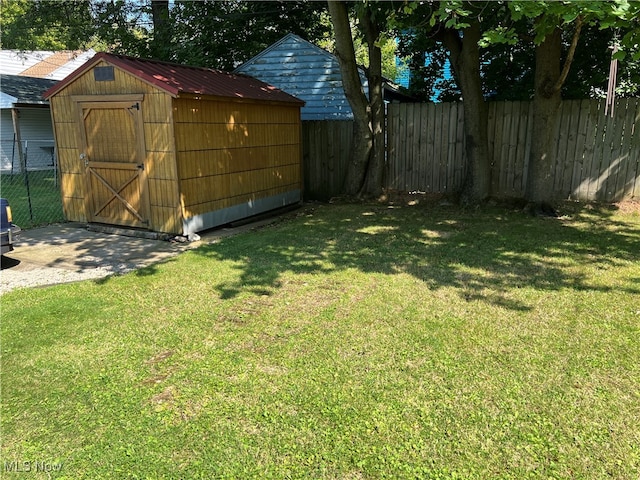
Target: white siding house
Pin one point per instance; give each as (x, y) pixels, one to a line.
(26, 133)
(24, 114)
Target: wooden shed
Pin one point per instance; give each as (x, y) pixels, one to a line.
(172, 148)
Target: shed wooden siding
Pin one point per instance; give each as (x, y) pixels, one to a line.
(230, 153)
(160, 162)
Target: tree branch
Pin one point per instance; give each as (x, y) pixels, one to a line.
(452, 41)
(347, 59)
(567, 62)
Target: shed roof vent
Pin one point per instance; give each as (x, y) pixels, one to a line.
(104, 74)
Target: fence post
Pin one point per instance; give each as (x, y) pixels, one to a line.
(13, 152)
(26, 178)
(15, 116)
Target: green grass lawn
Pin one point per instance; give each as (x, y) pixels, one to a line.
(346, 342)
(43, 194)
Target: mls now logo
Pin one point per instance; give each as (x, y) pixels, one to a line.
(32, 466)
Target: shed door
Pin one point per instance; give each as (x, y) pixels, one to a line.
(113, 137)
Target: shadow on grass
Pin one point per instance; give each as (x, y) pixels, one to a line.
(482, 254)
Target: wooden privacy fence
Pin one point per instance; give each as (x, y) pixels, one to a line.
(597, 157)
(325, 155)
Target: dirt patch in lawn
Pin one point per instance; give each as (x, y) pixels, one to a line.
(629, 206)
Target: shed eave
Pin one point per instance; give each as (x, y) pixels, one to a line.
(168, 87)
(114, 62)
(240, 99)
(72, 76)
(28, 105)
(145, 77)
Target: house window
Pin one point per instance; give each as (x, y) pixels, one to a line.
(103, 74)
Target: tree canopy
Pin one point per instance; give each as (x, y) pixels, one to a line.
(38, 25)
(219, 34)
(507, 55)
(225, 34)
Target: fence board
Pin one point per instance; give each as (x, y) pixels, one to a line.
(460, 169)
(635, 151)
(497, 147)
(563, 127)
(610, 164)
(567, 163)
(623, 181)
(491, 133)
(505, 165)
(392, 128)
(521, 152)
(579, 158)
(617, 178)
(591, 158)
(451, 146)
(606, 164)
(410, 160)
(325, 151)
(433, 185)
(444, 136)
(513, 147)
(597, 158)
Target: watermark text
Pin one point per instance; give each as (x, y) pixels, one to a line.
(32, 466)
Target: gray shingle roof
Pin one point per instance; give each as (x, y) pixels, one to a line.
(26, 90)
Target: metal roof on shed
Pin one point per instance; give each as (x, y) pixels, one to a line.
(178, 79)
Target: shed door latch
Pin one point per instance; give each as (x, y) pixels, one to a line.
(135, 105)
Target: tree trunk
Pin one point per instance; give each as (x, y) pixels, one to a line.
(546, 102)
(362, 133)
(465, 59)
(375, 171)
(161, 43)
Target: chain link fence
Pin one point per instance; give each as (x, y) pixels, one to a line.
(29, 180)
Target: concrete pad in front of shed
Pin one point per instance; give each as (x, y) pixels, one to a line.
(69, 252)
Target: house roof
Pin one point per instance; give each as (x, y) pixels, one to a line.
(311, 73)
(42, 63)
(181, 79)
(305, 70)
(17, 89)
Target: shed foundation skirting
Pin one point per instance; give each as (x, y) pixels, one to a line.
(216, 218)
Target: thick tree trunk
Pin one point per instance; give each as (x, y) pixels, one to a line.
(362, 133)
(375, 171)
(465, 59)
(161, 43)
(549, 78)
(546, 102)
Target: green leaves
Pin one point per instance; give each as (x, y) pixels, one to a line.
(499, 35)
(452, 14)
